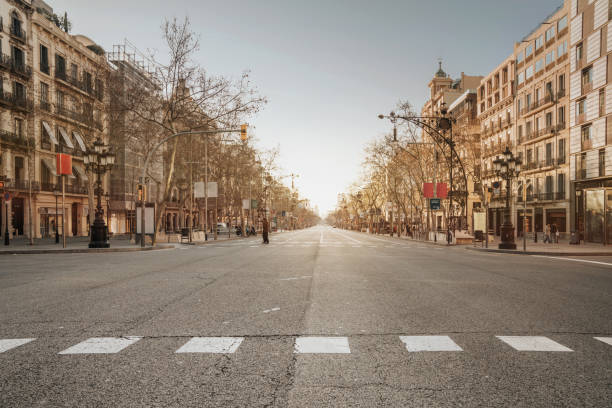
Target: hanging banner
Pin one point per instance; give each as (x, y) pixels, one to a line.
(245, 204)
(441, 190)
(63, 164)
(212, 189)
(428, 190)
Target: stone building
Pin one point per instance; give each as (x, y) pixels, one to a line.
(65, 110)
(542, 134)
(496, 115)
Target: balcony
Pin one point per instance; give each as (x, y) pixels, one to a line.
(45, 68)
(550, 196)
(86, 119)
(531, 165)
(10, 137)
(15, 101)
(60, 74)
(23, 185)
(587, 87)
(17, 33)
(561, 160)
(587, 144)
(560, 93)
(580, 174)
(580, 118)
(16, 67)
(70, 188)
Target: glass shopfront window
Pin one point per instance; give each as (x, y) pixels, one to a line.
(594, 215)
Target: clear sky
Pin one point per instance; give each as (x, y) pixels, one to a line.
(328, 67)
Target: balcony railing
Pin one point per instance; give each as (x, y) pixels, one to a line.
(17, 67)
(84, 118)
(9, 137)
(587, 144)
(22, 185)
(560, 93)
(17, 32)
(561, 160)
(580, 118)
(45, 68)
(60, 74)
(45, 105)
(17, 101)
(587, 87)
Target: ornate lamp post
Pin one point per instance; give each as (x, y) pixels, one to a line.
(99, 160)
(507, 167)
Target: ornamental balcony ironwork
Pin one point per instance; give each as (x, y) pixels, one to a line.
(17, 33)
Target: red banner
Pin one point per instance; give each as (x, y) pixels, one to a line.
(441, 190)
(428, 190)
(63, 164)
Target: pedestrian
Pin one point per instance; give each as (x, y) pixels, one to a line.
(264, 232)
(553, 234)
(547, 234)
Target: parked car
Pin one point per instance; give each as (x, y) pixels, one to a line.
(222, 228)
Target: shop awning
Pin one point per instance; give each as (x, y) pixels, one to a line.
(50, 164)
(79, 171)
(65, 137)
(79, 140)
(49, 132)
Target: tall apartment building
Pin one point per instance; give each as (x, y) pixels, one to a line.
(542, 134)
(590, 121)
(497, 118)
(62, 99)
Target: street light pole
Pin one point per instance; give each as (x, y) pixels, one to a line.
(99, 160)
(507, 168)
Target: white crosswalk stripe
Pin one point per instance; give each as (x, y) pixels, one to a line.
(322, 345)
(8, 344)
(607, 340)
(532, 343)
(101, 345)
(429, 343)
(222, 345)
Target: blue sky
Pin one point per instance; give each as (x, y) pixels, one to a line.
(328, 67)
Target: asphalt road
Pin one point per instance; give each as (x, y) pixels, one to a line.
(266, 314)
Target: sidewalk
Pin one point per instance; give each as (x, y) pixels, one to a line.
(563, 248)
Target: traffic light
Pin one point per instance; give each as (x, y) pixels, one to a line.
(243, 132)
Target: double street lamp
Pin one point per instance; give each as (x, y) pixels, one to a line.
(99, 160)
(507, 167)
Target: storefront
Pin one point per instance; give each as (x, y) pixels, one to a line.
(593, 211)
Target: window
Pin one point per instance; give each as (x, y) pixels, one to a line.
(19, 127)
(44, 96)
(60, 67)
(520, 57)
(528, 101)
(602, 102)
(581, 167)
(549, 187)
(587, 79)
(561, 115)
(550, 57)
(562, 49)
(87, 78)
(74, 71)
(602, 162)
(561, 151)
(19, 168)
(578, 52)
(18, 57)
(529, 72)
(520, 104)
(539, 65)
(528, 50)
(586, 133)
(19, 92)
(549, 90)
(539, 42)
(560, 184)
(537, 95)
(581, 106)
(505, 75)
(562, 24)
(549, 120)
(549, 158)
(561, 83)
(529, 156)
(528, 128)
(537, 124)
(521, 78)
(520, 132)
(59, 100)
(99, 89)
(44, 59)
(550, 33)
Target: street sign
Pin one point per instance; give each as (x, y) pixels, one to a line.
(7, 196)
(434, 203)
(245, 204)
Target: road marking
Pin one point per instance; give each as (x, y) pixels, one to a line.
(223, 345)
(7, 344)
(299, 277)
(607, 340)
(429, 343)
(101, 345)
(571, 259)
(274, 309)
(532, 343)
(322, 345)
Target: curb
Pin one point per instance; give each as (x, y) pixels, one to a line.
(545, 253)
(80, 250)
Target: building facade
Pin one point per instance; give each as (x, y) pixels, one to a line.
(589, 119)
(62, 109)
(542, 131)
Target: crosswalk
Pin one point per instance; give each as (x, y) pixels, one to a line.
(311, 244)
(302, 344)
